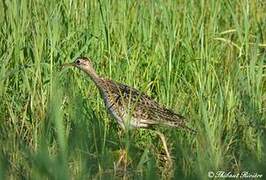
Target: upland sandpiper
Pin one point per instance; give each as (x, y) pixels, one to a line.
(130, 107)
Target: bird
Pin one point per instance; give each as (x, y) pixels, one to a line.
(130, 107)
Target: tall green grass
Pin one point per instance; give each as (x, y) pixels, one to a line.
(203, 59)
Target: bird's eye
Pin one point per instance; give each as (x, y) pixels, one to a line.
(77, 61)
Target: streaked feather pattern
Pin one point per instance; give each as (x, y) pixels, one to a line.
(125, 102)
(130, 107)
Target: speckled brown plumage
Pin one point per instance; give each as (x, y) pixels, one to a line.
(130, 107)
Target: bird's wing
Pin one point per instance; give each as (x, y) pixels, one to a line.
(125, 92)
(164, 116)
(146, 111)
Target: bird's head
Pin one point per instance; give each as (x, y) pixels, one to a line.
(82, 63)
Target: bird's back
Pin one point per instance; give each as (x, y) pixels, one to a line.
(133, 108)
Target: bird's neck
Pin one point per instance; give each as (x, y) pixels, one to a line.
(93, 75)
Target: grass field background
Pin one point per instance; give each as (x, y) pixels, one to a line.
(204, 59)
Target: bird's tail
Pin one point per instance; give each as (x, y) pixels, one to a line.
(181, 125)
(193, 131)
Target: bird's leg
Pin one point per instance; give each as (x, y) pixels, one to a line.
(122, 156)
(122, 159)
(162, 137)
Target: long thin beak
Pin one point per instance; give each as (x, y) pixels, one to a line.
(67, 65)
